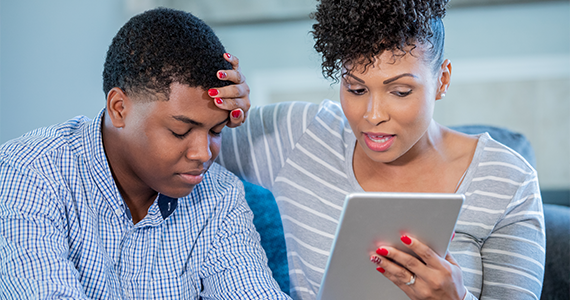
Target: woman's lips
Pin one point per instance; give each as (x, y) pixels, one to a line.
(379, 141)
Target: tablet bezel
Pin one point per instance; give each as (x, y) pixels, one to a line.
(372, 219)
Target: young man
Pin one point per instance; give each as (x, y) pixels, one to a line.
(130, 205)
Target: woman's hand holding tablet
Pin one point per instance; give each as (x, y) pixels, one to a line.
(432, 277)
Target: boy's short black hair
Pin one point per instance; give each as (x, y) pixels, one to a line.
(159, 47)
(356, 31)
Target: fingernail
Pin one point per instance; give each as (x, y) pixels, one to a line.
(380, 269)
(228, 55)
(381, 251)
(222, 75)
(212, 92)
(375, 259)
(453, 236)
(236, 113)
(219, 100)
(406, 240)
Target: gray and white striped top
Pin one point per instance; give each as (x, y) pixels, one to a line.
(303, 152)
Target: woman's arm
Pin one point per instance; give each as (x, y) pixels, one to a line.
(257, 150)
(514, 253)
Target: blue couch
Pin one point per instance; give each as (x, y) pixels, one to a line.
(557, 221)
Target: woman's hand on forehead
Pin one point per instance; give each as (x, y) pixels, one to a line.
(235, 97)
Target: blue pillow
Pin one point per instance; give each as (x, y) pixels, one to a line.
(511, 139)
(267, 221)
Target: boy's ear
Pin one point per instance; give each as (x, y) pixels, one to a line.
(116, 106)
(444, 79)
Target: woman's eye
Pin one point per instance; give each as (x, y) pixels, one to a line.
(215, 133)
(402, 94)
(357, 91)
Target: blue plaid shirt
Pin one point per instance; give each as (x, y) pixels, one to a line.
(65, 231)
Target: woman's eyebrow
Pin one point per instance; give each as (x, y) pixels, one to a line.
(398, 77)
(354, 77)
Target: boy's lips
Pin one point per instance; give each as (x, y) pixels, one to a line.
(192, 177)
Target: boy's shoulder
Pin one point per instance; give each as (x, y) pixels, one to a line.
(45, 141)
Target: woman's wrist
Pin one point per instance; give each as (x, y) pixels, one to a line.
(468, 296)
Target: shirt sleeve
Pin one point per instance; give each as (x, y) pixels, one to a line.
(236, 265)
(514, 253)
(258, 149)
(33, 247)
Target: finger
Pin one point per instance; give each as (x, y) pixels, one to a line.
(237, 117)
(232, 97)
(232, 104)
(231, 91)
(375, 259)
(232, 60)
(235, 76)
(429, 257)
(393, 268)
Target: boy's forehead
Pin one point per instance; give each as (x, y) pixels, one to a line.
(186, 102)
(184, 93)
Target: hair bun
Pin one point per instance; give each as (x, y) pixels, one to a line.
(354, 29)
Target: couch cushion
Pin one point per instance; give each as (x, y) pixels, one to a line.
(557, 270)
(267, 221)
(511, 139)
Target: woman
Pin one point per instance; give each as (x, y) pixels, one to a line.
(388, 56)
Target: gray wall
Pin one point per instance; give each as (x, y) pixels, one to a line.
(511, 68)
(51, 59)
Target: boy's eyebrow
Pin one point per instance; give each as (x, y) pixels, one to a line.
(190, 121)
(187, 120)
(398, 77)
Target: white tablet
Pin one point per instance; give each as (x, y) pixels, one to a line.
(369, 220)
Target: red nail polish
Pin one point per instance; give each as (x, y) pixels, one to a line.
(222, 75)
(375, 259)
(453, 236)
(381, 251)
(219, 100)
(228, 55)
(380, 269)
(236, 113)
(406, 240)
(212, 92)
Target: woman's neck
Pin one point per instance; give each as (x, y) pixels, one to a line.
(431, 165)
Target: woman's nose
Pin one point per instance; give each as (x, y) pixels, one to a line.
(376, 111)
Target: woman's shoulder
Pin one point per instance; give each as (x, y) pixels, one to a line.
(500, 173)
(493, 153)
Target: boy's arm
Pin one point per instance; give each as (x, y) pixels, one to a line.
(236, 266)
(33, 243)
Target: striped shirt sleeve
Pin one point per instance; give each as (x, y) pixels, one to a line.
(500, 241)
(258, 149)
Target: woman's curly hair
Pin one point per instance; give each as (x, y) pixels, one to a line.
(356, 31)
(162, 46)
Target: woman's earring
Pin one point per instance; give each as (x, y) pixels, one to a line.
(442, 95)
